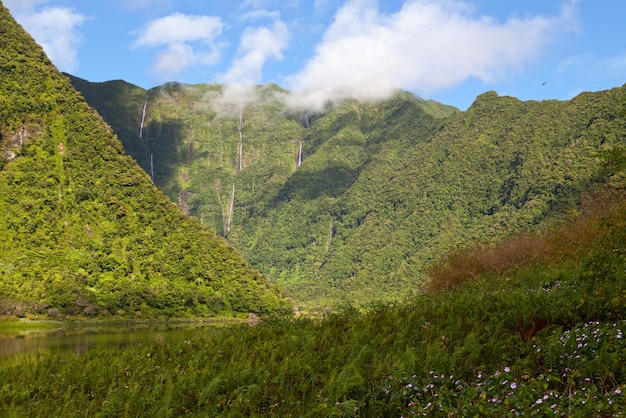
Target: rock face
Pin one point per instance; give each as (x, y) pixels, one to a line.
(12, 146)
(83, 230)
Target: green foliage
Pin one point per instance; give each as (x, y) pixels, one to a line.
(384, 189)
(83, 230)
(538, 340)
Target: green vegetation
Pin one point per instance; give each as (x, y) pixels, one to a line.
(544, 339)
(383, 190)
(529, 324)
(9, 326)
(83, 231)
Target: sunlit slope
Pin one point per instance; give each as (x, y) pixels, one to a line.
(352, 204)
(83, 230)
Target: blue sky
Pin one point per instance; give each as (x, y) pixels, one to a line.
(321, 50)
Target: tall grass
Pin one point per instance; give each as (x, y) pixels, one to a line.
(541, 340)
(598, 209)
(541, 337)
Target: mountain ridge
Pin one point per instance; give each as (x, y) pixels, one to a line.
(383, 189)
(84, 231)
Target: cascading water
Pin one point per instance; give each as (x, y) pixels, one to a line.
(231, 208)
(143, 118)
(240, 124)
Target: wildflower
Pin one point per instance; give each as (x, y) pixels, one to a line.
(513, 385)
(618, 391)
(507, 369)
(553, 406)
(539, 401)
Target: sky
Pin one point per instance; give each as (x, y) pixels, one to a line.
(323, 51)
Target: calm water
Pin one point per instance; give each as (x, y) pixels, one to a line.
(80, 340)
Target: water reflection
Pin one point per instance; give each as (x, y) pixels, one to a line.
(81, 340)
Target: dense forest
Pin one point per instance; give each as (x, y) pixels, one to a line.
(502, 229)
(539, 335)
(83, 230)
(353, 204)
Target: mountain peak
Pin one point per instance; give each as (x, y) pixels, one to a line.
(84, 230)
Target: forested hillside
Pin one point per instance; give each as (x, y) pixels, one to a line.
(83, 231)
(353, 204)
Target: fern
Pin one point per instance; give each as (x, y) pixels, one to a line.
(210, 392)
(344, 383)
(552, 352)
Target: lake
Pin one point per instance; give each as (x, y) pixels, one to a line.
(81, 337)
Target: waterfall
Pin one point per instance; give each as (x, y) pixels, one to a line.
(240, 152)
(306, 118)
(151, 167)
(240, 124)
(299, 156)
(240, 121)
(231, 208)
(143, 118)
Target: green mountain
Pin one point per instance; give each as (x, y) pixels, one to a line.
(83, 230)
(354, 203)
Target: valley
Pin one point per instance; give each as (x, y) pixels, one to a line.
(382, 259)
(353, 204)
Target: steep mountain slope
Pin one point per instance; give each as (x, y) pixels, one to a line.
(83, 231)
(352, 204)
(288, 172)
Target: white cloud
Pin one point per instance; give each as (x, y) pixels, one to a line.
(54, 28)
(261, 14)
(178, 28)
(183, 41)
(256, 47)
(426, 46)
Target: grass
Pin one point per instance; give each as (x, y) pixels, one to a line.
(529, 342)
(542, 338)
(600, 208)
(11, 325)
